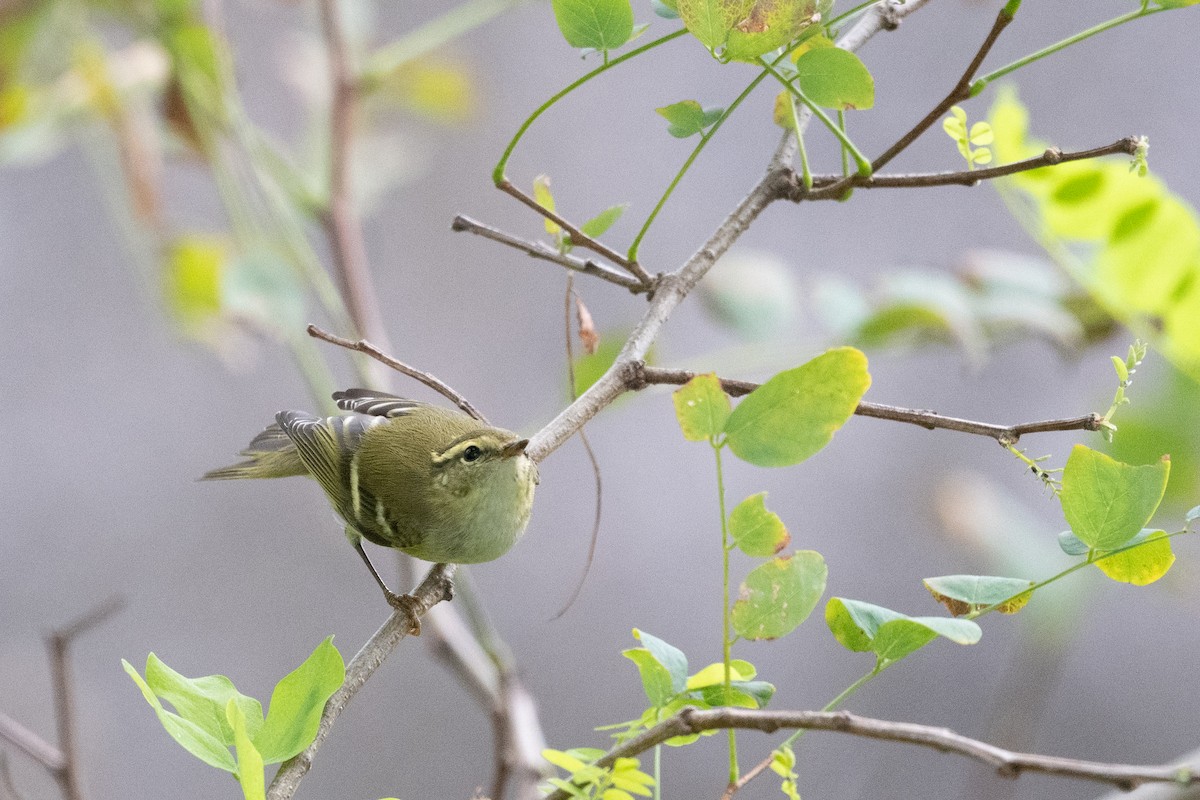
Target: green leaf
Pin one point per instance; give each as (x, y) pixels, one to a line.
(545, 198)
(1072, 545)
(590, 366)
(795, 414)
(761, 691)
(835, 78)
(1106, 502)
(202, 701)
(963, 594)
(668, 655)
(598, 225)
(297, 703)
(249, 762)
(901, 637)
(197, 741)
(599, 24)
(854, 623)
(710, 20)
(716, 697)
(779, 595)
(861, 627)
(752, 292)
(656, 679)
(193, 277)
(714, 674)
(563, 761)
(757, 531)
(687, 118)
(767, 25)
(701, 406)
(1143, 564)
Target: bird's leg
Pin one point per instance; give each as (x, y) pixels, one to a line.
(405, 603)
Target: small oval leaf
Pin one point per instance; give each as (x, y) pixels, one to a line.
(701, 406)
(779, 595)
(795, 414)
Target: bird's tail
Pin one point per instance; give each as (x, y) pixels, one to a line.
(271, 455)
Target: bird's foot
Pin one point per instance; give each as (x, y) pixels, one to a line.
(408, 605)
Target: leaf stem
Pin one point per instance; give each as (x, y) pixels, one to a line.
(498, 172)
(704, 139)
(805, 172)
(726, 623)
(980, 83)
(864, 163)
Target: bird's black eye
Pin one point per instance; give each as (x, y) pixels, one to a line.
(472, 453)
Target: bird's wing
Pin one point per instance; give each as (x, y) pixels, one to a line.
(373, 403)
(327, 446)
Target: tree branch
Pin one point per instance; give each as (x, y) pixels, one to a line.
(578, 237)
(434, 589)
(971, 177)
(439, 386)
(542, 251)
(642, 376)
(672, 288)
(61, 762)
(1007, 763)
(960, 92)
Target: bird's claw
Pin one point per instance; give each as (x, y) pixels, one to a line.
(408, 605)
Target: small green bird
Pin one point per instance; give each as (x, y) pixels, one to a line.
(430, 481)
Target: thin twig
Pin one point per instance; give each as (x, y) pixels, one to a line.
(1008, 763)
(1051, 157)
(31, 744)
(342, 223)
(363, 346)
(434, 589)
(643, 376)
(541, 250)
(960, 92)
(587, 445)
(578, 237)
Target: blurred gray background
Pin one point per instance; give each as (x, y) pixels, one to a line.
(109, 417)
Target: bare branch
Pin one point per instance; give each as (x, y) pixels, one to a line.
(1052, 157)
(578, 237)
(1007, 763)
(69, 777)
(363, 346)
(434, 589)
(31, 744)
(542, 251)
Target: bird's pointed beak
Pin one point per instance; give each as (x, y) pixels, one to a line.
(514, 449)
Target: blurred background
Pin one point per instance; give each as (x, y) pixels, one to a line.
(120, 387)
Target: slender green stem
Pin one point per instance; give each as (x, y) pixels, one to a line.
(498, 172)
(978, 85)
(864, 163)
(805, 170)
(1091, 559)
(845, 155)
(726, 622)
(704, 139)
(845, 695)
